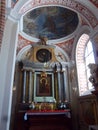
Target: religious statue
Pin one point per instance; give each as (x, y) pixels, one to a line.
(43, 40)
(94, 75)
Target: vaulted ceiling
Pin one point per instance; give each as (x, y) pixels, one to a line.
(61, 21)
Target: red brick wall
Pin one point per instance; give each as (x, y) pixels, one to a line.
(2, 19)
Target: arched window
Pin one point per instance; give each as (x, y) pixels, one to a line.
(89, 58)
(84, 56)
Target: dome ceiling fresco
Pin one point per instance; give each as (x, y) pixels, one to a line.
(51, 22)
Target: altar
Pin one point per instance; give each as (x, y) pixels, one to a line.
(43, 101)
(48, 120)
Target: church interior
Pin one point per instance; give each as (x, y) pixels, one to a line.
(49, 65)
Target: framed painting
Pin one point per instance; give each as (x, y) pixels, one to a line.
(43, 87)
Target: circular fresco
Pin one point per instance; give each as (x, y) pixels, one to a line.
(51, 22)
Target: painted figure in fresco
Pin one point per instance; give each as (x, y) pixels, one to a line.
(51, 22)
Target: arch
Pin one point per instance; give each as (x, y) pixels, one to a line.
(84, 56)
(22, 7)
(80, 52)
(2, 19)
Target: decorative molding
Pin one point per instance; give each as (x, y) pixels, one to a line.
(67, 46)
(22, 42)
(95, 2)
(13, 3)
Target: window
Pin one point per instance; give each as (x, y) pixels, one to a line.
(84, 56)
(89, 58)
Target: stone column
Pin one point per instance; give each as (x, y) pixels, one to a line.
(65, 82)
(58, 69)
(30, 86)
(24, 86)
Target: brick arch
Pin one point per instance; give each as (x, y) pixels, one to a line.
(2, 19)
(80, 53)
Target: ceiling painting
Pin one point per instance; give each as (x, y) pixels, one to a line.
(51, 22)
(74, 5)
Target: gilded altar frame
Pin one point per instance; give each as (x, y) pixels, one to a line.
(42, 94)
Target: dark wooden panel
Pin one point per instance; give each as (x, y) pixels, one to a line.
(42, 122)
